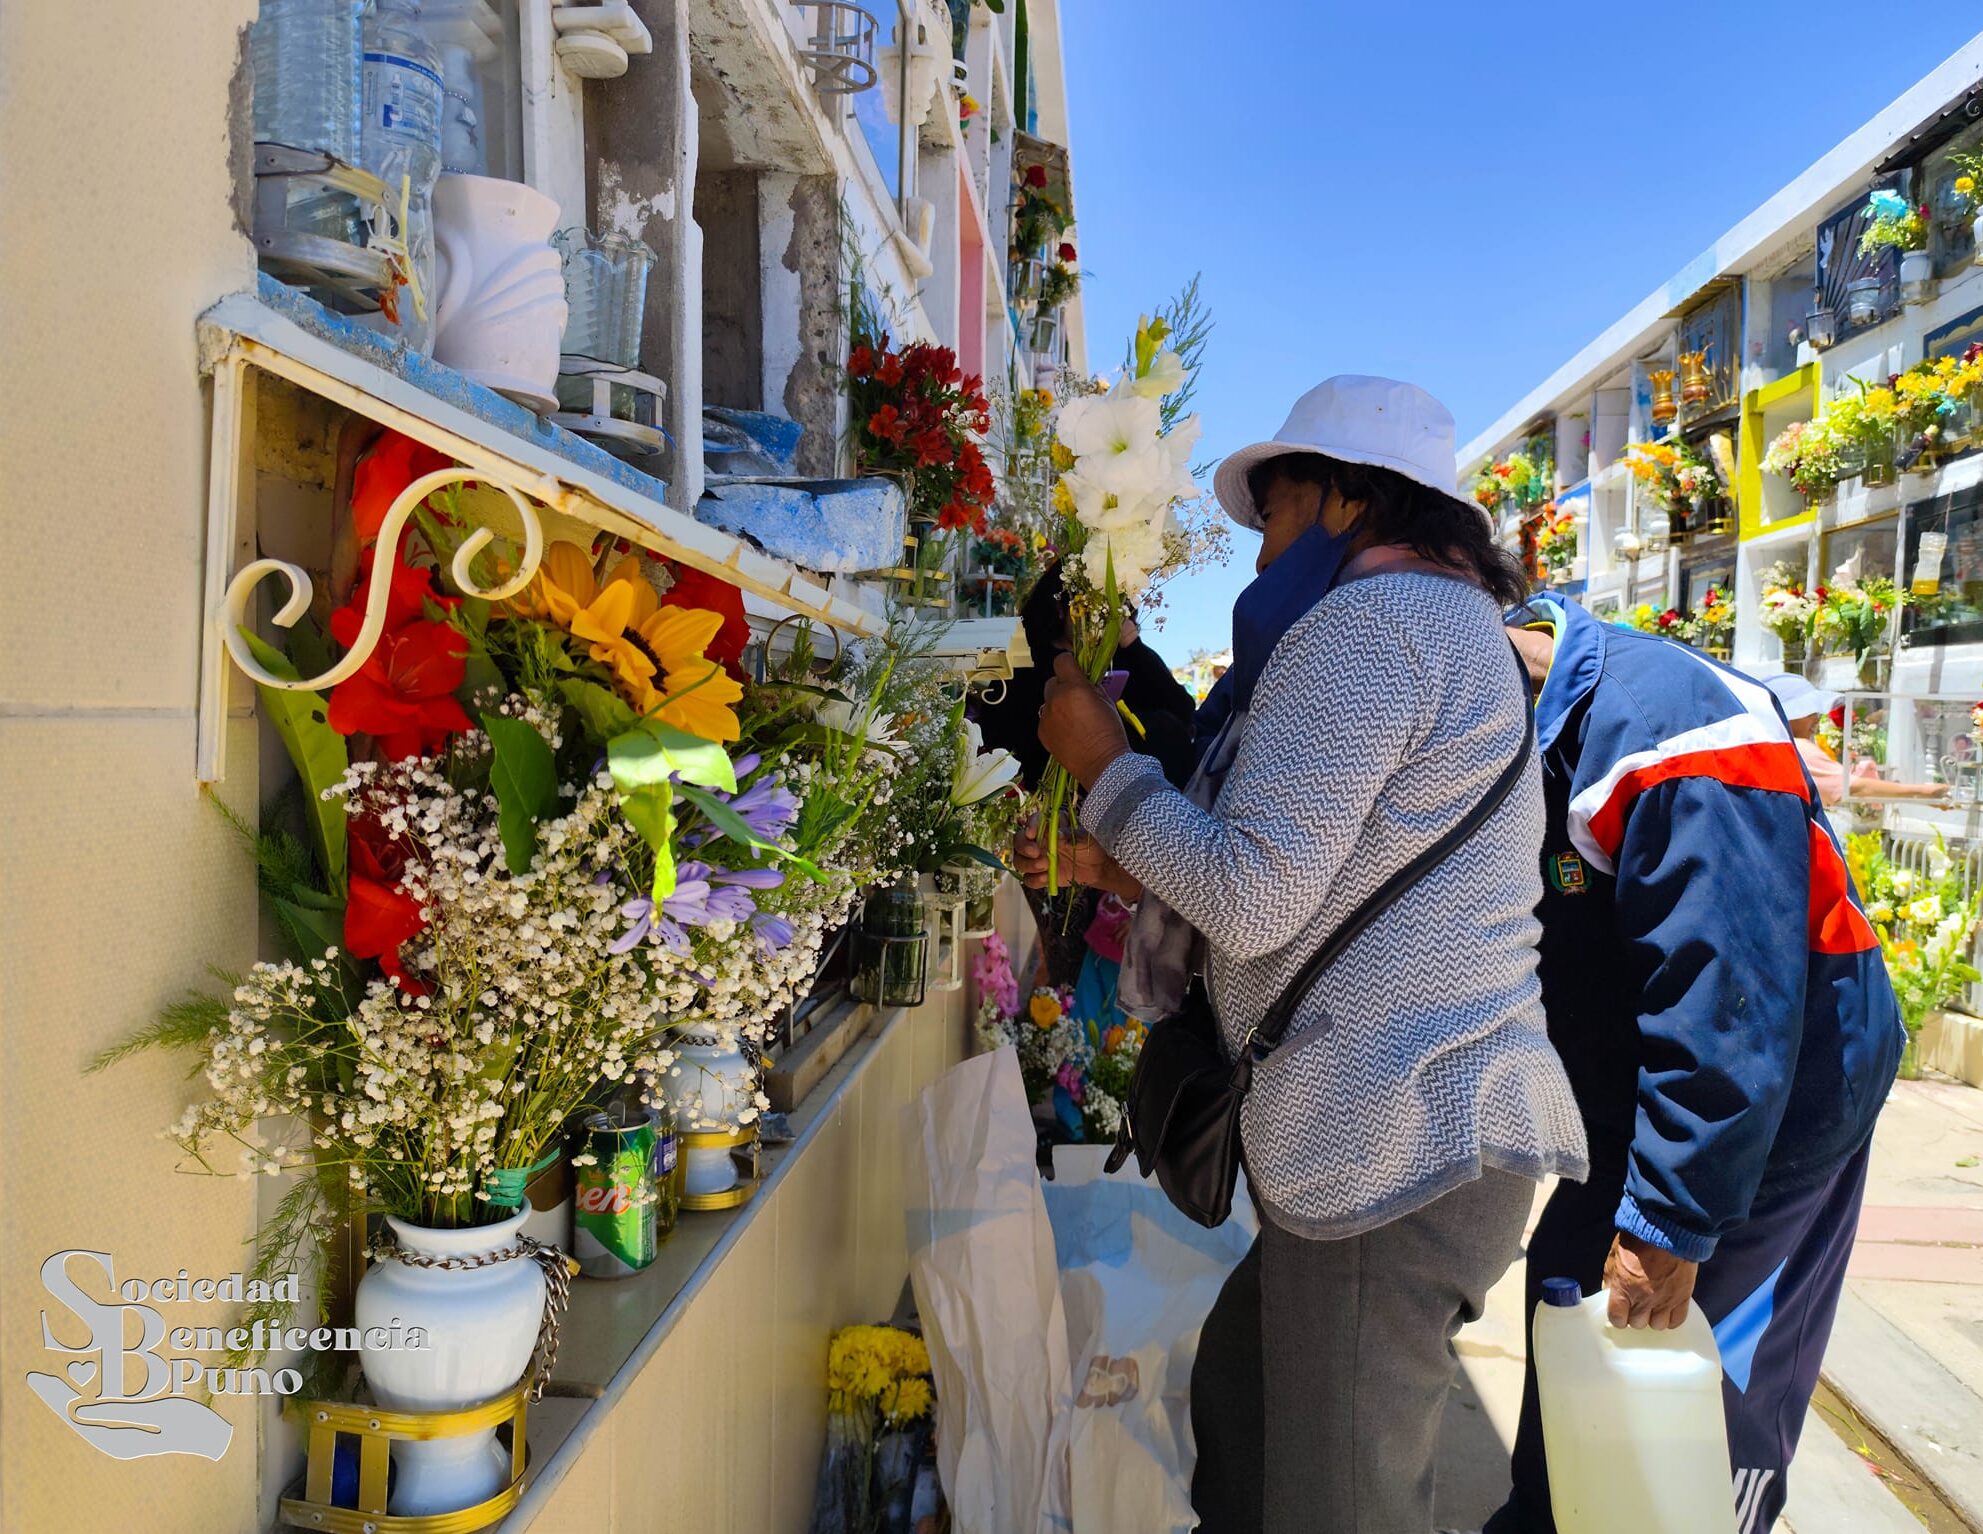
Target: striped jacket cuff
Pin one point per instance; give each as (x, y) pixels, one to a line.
(1118, 793)
(1634, 1221)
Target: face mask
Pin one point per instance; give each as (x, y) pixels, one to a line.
(1281, 596)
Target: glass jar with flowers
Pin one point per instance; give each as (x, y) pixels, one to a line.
(1788, 612)
(1711, 626)
(1556, 544)
(1856, 615)
(1894, 223)
(1679, 480)
(1807, 454)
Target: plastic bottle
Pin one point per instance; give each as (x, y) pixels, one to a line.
(401, 140)
(305, 57)
(1631, 1420)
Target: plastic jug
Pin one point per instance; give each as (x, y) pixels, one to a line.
(1631, 1420)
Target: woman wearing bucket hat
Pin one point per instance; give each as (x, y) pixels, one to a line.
(1394, 1135)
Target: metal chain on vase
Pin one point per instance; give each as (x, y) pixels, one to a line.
(557, 1289)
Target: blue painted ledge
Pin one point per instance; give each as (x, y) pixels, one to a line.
(750, 442)
(444, 383)
(833, 526)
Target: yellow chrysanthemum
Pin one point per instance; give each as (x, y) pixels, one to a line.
(1044, 1009)
(906, 1400)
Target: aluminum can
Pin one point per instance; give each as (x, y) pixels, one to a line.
(614, 1195)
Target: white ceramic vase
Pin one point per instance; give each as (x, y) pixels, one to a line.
(710, 1086)
(1917, 276)
(481, 1325)
(499, 307)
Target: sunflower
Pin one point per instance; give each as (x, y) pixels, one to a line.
(654, 651)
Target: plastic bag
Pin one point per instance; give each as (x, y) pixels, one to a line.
(1062, 1321)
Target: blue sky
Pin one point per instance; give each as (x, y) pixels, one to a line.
(1440, 190)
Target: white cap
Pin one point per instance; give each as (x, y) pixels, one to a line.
(1355, 419)
(1799, 698)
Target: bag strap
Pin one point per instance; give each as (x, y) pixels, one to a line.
(1267, 1034)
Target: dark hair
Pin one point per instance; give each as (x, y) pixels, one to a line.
(1401, 511)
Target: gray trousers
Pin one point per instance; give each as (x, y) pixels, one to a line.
(1323, 1369)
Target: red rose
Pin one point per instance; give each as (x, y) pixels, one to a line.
(1036, 175)
(1067, 252)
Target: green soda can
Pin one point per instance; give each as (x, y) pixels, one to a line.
(614, 1196)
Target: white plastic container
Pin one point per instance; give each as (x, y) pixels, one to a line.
(1631, 1420)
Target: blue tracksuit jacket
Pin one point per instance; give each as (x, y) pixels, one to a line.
(1716, 993)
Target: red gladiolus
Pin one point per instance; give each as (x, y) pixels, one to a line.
(1036, 175)
(388, 467)
(403, 696)
(412, 590)
(712, 594)
(378, 915)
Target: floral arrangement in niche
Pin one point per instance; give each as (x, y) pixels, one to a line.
(1926, 924)
(535, 842)
(1513, 480)
(1648, 619)
(1038, 218)
(1556, 539)
(1674, 474)
(1856, 613)
(1788, 610)
(1711, 626)
(1893, 223)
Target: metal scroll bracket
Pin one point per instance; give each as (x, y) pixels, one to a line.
(230, 600)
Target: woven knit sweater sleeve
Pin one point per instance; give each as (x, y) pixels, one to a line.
(1336, 710)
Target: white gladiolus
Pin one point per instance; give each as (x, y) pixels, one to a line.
(1166, 376)
(980, 773)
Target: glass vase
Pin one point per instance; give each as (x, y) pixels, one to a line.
(1878, 468)
(891, 949)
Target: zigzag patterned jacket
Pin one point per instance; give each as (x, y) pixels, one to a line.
(1383, 716)
(1712, 985)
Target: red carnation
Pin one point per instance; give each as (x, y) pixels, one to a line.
(713, 594)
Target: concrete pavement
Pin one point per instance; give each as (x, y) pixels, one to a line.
(1900, 1446)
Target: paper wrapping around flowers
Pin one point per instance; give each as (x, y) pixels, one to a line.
(981, 1259)
(1062, 1320)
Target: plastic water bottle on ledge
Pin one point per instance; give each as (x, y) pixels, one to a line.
(1631, 1420)
(305, 57)
(400, 142)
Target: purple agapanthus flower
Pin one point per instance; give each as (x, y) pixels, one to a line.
(640, 912)
(774, 933)
(768, 808)
(749, 878)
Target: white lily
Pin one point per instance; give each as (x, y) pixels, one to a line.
(876, 729)
(1166, 376)
(980, 773)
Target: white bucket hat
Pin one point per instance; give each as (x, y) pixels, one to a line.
(1800, 699)
(1355, 419)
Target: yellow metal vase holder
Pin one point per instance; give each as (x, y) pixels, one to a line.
(377, 1431)
(729, 1140)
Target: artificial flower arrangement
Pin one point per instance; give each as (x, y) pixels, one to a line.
(1556, 539)
(1788, 610)
(1002, 551)
(1648, 619)
(1124, 456)
(878, 1402)
(1038, 218)
(1074, 1069)
(1674, 474)
(1926, 924)
(1508, 481)
(1810, 455)
(1893, 223)
(1062, 279)
(1711, 626)
(1856, 613)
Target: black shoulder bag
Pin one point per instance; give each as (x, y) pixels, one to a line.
(1181, 1117)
